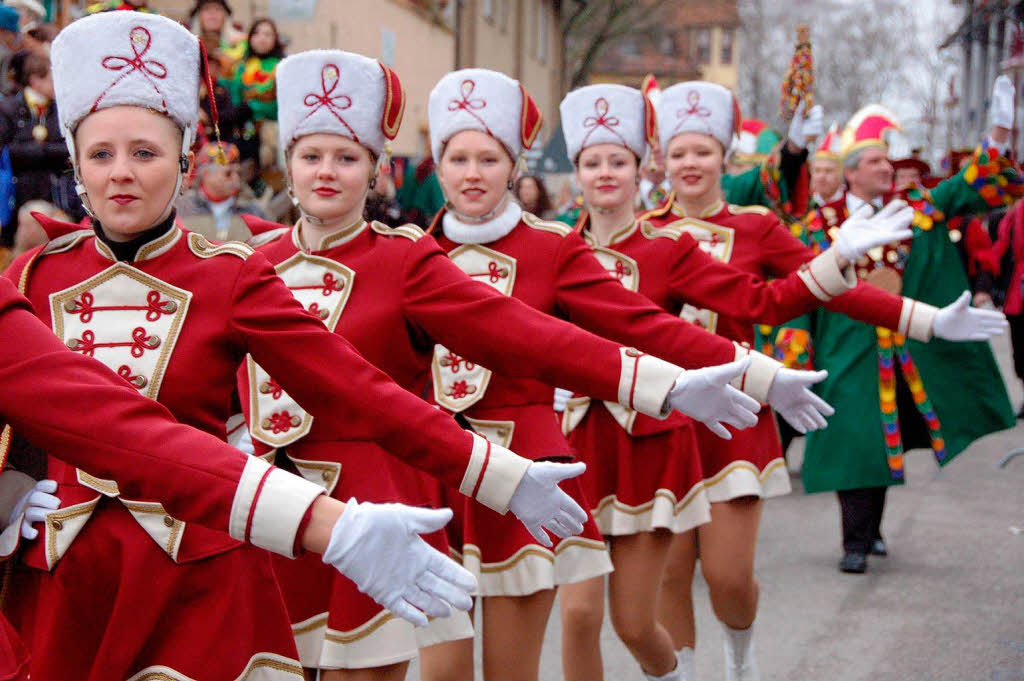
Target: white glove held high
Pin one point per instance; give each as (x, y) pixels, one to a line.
(540, 503)
(791, 398)
(705, 395)
(34, 504)
(958, 321)
(803, 130)
(378, 547)
(561, 399)
(863, 231)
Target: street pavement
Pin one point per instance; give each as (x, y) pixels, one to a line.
(946, 605)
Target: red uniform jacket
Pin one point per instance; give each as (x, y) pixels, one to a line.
(176, 323)
(394, 295)
(550, 267)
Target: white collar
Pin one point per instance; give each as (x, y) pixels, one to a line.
(483, 233)
(855, 202)
(822, 201)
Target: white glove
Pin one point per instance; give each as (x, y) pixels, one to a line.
(790, 397)
(802, 131)
(958, 321)
(34, 504)
(1001, 108)
(541, 504)
(378, 547)
(238, 434)
(705, 395)
(863, 231)
(562, 399)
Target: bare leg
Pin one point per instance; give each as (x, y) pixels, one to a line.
(675, 605)
(449, 661)
(513, 635)
(582, 606)
(727, 548)
(391, 672)
(633, 588)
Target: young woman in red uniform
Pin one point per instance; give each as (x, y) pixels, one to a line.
(394, 295)
(480, 121)
(114, 432)
(121, 587)
(696, 123)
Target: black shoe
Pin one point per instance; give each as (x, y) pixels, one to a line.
(1020, 414)
(878, 548)
(854, 562)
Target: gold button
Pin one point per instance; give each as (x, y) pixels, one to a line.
(323, 313)
(265, 387)
(72, 344)
(56, 525)
(632, 352)
(265, 424)
(140, 382)
(169, 306)
(70, 305)
(153, 342)
(295, 421)
(168, 521)
(327, 476)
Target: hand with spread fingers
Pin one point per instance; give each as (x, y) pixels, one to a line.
(378, 546)
(863, 231)
(33, 507)
(803, 130)
(958, 321)
(705, 395)
(791, 397)
(540, 504)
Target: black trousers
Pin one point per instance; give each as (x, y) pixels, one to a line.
(1017, 340)
(862, 516)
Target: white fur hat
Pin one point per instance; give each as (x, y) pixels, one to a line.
(698, 106)
(125, 58)
(607, 113)
(341, 93)
(484, 100)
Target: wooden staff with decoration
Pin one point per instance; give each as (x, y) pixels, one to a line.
(798, 85)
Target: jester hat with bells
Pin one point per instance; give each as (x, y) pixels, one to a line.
(869, 128)
(126, 59)
(339, 93)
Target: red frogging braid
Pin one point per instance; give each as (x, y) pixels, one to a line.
(214, 115)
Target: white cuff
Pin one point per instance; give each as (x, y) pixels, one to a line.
(269, 506)
(645, 382)
(757, 380)
(916, 320)
(493, 474)
(825, 279)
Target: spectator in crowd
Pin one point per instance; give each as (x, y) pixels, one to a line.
(214, 205)
(234, 121)
(533, 196)
(420, 196)
(29, 233)
(39, 37)
(30, 131)
(253, 85)
(210, 23)
(10, 44)
(30, 12)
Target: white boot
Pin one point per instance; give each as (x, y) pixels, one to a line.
(740, 663)
(671, 676)
(686, 663)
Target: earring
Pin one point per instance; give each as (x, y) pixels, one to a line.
(373, 182)
(510, 185)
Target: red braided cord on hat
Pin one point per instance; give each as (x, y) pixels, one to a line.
(214, 114)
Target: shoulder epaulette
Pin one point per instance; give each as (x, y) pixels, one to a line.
(657, 211)
(66, 242)
(667, 232)
(409, 230)
(198, 244)
(740, 210)
(553, 226)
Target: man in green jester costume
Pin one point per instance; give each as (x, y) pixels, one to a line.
(892, 393)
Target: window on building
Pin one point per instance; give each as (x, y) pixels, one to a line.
(502, 14)
(728, 36)
(487, 9)
(702, 46)
(667, 45)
